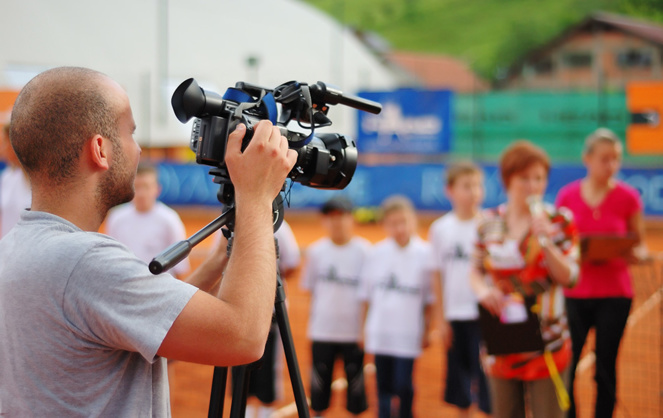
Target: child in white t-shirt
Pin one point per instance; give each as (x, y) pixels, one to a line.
(146, 225)
(453, 238)
(332, 275)
(265, 386)
(15, 192)
(396, 289)
(289, 253)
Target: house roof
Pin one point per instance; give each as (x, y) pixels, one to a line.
(439, 71)
(645, 30)
(648, 31)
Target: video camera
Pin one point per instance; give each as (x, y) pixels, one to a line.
(324, 161)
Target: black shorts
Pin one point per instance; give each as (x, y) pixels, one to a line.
(265, 374)
(324, 356)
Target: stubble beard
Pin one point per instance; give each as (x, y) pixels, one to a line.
(117, 186)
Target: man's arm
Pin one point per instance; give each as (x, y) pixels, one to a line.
(232, 328)
(207, 276)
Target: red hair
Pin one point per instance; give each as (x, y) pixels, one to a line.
(520, 156)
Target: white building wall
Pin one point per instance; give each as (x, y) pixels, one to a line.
(150, 46)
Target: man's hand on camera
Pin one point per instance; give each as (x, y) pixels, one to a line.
(260, 171)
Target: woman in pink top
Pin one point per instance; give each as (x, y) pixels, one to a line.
(601, 204)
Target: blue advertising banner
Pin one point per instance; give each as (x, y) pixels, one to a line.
(412, 121)
(423, 184)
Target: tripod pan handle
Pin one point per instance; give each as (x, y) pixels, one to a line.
(170, 256)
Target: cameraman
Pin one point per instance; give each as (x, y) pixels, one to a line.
(84, 326)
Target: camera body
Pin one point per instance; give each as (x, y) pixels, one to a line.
(325, 160)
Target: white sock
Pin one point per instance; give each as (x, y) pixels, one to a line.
(265, 411)
(251, 411)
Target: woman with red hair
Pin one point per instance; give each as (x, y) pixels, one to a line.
(526, 253)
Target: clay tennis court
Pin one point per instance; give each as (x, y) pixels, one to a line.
(639, 367)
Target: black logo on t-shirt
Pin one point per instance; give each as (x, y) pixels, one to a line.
(458, 254)
(333, 277)
(392, 285)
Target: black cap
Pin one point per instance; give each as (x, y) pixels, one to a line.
(337, 204)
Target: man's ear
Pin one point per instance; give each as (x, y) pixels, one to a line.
(98, 148)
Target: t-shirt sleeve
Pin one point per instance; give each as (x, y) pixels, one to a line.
(365, 278)
(430, 263)
(112, 300)
(307, 281)
(435, 238)
(429, 267)
(288, 249)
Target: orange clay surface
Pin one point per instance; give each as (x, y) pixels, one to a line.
(639, 362)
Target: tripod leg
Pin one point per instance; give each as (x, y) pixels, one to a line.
(218, 392)
(289, 349)
(240, 391)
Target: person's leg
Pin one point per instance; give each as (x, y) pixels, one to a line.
(403, 386)
(263, 379)
(323, 355)
(507, 398)
(611, 320)
(384, 375)
(482, 393)
(542, 398)
(457, 389)
(580, 313)
(353, 359)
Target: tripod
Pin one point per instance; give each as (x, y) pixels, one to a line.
(177, 253)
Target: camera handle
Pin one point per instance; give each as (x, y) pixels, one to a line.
(180, 250)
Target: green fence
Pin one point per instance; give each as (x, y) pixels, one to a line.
(484, 124)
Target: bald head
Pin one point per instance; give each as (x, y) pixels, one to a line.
(55, 114)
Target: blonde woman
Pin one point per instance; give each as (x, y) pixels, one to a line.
(601, 204)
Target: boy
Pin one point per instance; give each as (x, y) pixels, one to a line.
(15, 193)
(146, 225)
(331, 274)
(265, 386)
(398, 303)
(452, 237)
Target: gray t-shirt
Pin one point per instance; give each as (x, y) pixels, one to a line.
(81, 320)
